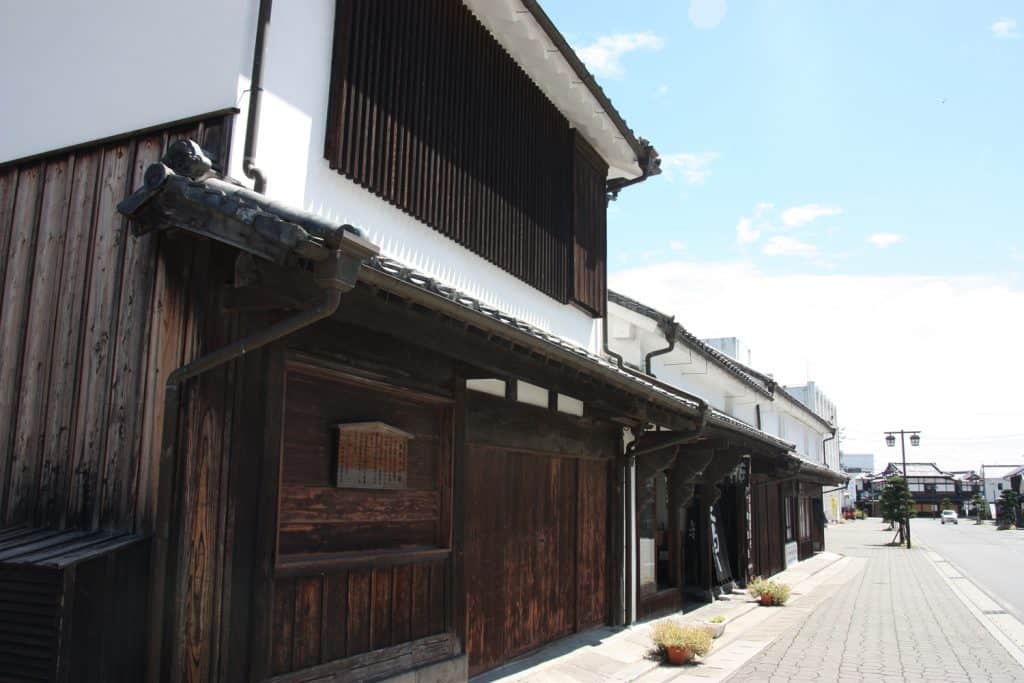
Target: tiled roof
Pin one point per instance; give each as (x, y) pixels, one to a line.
(685, 404)
(917, 469)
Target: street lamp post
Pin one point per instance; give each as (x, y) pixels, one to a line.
(915, 440)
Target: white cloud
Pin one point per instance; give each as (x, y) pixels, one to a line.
(761, 207)
(746, 233)
(1006, 27)
(693, 168)
(603, 56)
(707, 13)
(784, 245)
(795, 216)
(882, 348)
(883, 240)
(676, 245)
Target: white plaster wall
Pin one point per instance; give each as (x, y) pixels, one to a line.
(75, 71)
(634, 336)
(297, 69)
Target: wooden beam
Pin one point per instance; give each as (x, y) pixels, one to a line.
(500, 423)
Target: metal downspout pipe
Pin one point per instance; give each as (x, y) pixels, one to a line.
(604, 340)
(252, 122)
(670, 336)
(824, 461)
(824, 441)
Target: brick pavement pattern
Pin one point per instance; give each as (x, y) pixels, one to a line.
(892, 620)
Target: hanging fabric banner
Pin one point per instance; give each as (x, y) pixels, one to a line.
(719, 551)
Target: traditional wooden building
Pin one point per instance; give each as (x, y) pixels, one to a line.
(929, 487)
(738, 501)
(302, 365)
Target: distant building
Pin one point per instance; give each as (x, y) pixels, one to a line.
(857, 463)
(996, 479)
(732, 347)
(929, 486)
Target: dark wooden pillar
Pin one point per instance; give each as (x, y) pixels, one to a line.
(688, 466)
(456, 575)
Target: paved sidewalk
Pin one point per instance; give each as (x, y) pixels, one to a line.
(897, 619)
(871, 613)
(624, 654)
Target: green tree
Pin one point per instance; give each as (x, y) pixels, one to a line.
(1007, 509)
(978, 503)
(896, 503)
(946, 504)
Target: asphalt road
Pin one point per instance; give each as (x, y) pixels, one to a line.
(993, 560)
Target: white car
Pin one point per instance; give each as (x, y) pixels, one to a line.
(950, 516)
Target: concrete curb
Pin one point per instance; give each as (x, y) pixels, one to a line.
(1004, 627)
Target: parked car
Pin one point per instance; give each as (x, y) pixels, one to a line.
(950, 516)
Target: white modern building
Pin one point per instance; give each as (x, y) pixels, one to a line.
(813, 398)
(858, 463)
(996, 479)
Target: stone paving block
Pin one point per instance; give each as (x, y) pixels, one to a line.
(896, 619)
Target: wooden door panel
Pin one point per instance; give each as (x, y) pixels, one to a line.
(591, 584)
(535, 560)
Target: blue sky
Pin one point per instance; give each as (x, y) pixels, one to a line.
(833, 104)
(843, 190)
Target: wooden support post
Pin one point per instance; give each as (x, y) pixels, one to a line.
(456, 575)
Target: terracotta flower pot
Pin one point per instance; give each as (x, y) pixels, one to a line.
(766, 600)
(677, 656)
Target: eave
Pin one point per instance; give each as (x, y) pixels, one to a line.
(529, 36)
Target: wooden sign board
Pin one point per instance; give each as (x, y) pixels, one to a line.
(371, 455)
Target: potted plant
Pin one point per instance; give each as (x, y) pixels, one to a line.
(780, 592)
(769, 593)
(758, 589)
(716, 625)
(680, 644)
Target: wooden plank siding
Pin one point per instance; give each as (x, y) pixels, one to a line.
(84, 319)
(535, 551)
(428, 112)
(358, 570)
(92, 320)
(766, 513)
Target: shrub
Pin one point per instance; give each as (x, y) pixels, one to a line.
(780, 593)
(668, 634)
(756, 586)
(1006, 510)
(717, 619)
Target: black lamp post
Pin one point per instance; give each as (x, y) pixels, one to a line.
(915, 440)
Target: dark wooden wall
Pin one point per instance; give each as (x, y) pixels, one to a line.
(766, 515)
(358, 569)
(91, 320)
(593, 557)
(428, 112)
(536, 534)
(329, 614)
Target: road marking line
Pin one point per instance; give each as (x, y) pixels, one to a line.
(1005, 628)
